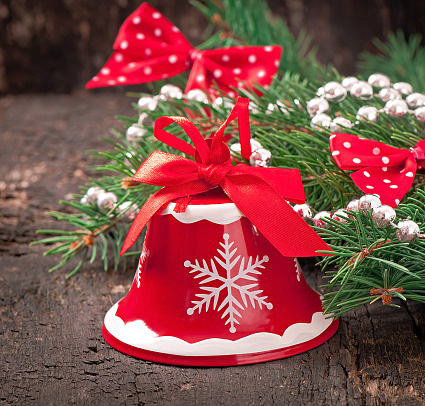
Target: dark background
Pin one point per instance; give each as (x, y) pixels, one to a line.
(58, 45)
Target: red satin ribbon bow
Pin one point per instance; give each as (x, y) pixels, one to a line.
(149, 47)
(260, 193)
(380, 169)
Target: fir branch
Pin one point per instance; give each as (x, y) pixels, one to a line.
(370, 263)
(251, 23)
(96, 229)
(400, 58)
(285, 131)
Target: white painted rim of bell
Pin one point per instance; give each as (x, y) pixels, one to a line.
(138, 335)
(224, 213)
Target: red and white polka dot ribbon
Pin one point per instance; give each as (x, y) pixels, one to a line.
(149, 47)
(382, 170)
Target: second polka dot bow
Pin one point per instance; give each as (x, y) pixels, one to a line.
(149, 47)
(380, 169)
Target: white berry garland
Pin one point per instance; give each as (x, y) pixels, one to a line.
(392, 94)
(383, 216)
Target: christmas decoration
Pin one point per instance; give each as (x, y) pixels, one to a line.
(149, 47)
(182, 178)
(259, 157)
(392, 94)
(368, 202)
(130, 210)
(106, 201)
(93, 194)
(408, 230)
(383, 216)
(148, 103)
(223, 295)
(318, 219)
(375, 255)
(362, 260)
(135, 133)
(249, 302)
(385, 170)
(229, 304)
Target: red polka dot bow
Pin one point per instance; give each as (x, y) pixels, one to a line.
(380, 169)
(149, 47)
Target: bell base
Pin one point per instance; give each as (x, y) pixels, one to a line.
(219, 360)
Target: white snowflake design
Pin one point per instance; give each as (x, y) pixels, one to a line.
(229, 284)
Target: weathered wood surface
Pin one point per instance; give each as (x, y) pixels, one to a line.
(51, 348)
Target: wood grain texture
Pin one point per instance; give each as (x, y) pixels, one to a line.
(56, 46)
(51, 348)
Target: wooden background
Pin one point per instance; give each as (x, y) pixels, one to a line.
(51, 348)
(57, 45)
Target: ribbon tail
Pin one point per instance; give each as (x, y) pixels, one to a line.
(198, 78)
(156, 202)
(284, 228)
(152, 205)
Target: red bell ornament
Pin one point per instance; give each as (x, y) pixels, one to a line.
(217, 282)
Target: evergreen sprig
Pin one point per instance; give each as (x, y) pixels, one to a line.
(369, 263)
(285, 131)
(366, 257)
(251, 22)
(402, 60)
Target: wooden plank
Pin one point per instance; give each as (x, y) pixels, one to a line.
(51, 347)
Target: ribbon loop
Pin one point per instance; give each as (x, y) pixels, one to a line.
(260, 193)
(177, 143)
(240, 112)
